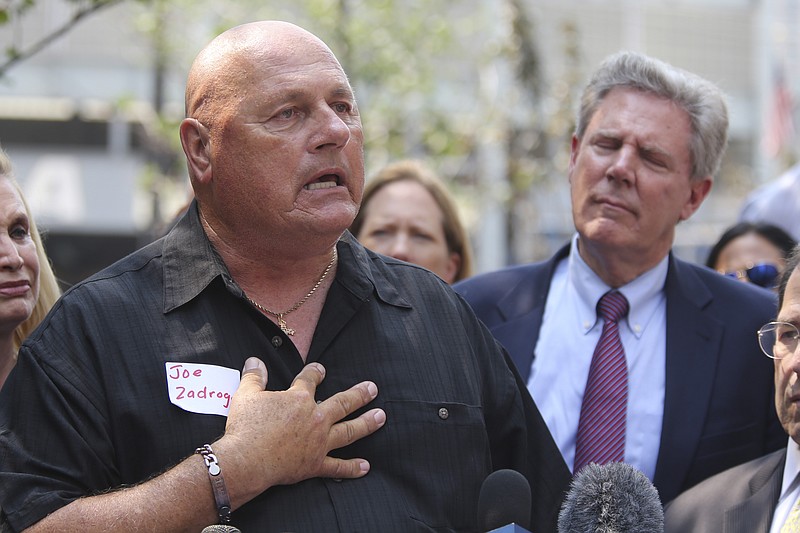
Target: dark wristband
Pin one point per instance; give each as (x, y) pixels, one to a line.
(217, 483)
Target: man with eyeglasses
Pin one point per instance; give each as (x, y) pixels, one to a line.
(762, 495)
(630, 353)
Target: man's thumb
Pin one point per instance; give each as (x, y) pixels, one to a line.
(254, 374)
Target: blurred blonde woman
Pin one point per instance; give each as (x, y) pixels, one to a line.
(407, 213)
(28, 287)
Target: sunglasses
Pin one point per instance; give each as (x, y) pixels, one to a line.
(762, 274)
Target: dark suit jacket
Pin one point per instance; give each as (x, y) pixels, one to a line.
(739, 500)
(719, 409)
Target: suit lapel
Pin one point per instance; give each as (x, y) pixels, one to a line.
(522, 309)
(754, 515)
(692, 351)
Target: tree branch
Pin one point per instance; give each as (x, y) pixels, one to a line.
(15, 56)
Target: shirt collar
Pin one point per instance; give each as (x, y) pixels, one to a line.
(362, 271)
(644, 294)
(191, 264)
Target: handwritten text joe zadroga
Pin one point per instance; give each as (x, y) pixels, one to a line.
(178, 372)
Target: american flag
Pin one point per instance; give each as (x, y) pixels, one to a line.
(779, 131)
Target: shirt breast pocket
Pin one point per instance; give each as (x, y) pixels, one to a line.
(446, 456)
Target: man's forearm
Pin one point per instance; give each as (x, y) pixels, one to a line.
(177, 500)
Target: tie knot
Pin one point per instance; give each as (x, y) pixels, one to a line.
(612, 306)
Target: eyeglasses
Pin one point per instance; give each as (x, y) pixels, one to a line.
(778, 339)
(762, 274)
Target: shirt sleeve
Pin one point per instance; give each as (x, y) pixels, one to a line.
(519, 437)
(54, 443)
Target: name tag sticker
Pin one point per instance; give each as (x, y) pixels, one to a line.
(204, 389)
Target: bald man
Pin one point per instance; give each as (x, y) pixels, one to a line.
(387, 403)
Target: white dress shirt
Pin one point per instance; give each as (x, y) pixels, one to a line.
(567, 339)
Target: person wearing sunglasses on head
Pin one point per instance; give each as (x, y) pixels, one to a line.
(752, 252)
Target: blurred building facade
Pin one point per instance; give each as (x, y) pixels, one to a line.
(79, 118)
(75, 119)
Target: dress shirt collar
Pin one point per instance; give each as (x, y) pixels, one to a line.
(643, 293)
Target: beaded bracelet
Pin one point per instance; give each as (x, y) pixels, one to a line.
(217, 483)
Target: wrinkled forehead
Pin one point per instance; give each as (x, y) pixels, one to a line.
(240, 55)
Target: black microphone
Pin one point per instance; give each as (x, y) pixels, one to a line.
(221, 528)
(611, 498)
(505, 498)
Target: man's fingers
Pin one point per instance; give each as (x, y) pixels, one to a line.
(343, 468)
(309, 378)
(348, 432)
(346, 402)
(254, 375)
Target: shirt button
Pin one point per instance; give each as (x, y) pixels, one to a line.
(277, 341)
(444, 414)
(337, 480)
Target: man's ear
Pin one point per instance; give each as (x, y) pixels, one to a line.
(196, 143)
(575, 147)
(698, 192)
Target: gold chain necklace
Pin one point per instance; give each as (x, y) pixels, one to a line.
(280, 316)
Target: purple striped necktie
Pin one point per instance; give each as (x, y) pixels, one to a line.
(601, 429)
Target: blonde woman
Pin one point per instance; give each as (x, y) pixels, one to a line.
(28, 287)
